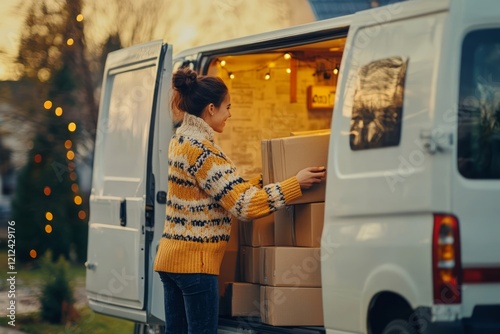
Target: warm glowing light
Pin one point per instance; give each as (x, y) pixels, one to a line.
(70, 41)
(71, 166)
(222, 63)
(288, 70)
(446, 275)
(38, 158)
(231, 75)
(72, 127)
(70, 155)
(82, 215)
(77, 200)
(267, 76)
(48, 228)
(58, 111)
(79, 17)
(33, 254)
(47, 191)
(72, 176)
(335, 71)
(49, 216)
(68, 143)
(74, 187)
(287, 56)
(47, 104)
(43, 74)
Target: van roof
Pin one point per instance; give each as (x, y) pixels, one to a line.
(371, 16)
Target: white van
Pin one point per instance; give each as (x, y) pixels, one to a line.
(411, 93)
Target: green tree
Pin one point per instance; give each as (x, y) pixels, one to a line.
(48, 206)
(57, 294)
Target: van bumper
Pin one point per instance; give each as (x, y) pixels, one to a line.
(484, 320)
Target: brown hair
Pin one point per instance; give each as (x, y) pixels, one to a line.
(192, 93)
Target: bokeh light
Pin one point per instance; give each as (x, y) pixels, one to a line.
(77, 200)
(72, 176)
(33, 254)
(49, 216)
(47, 191)
(38, 158)
(68, 144)
(43, 74)
(58, 111)
(79, 17)
(47, 104)
(48, 228)
(72, 127)
(70, 155)
(82, 215)
(70, 41)
(75, 187)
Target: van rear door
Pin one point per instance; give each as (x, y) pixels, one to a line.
(126, 202)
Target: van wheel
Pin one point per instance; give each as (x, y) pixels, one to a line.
(140, 328)
(399, 326)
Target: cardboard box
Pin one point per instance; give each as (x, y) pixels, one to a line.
(258, 232)
(299, 225)
(290, 266)
(249, 264)
(234, 237)
(230, 267)
(285, 306)
(243, 299)
(308, 223)
(229, 270)
(283, 158)
(284, 231)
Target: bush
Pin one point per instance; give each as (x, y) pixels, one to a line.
(57, 295)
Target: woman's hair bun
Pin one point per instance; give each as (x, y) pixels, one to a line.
(184, 80)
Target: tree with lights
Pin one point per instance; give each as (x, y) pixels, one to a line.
(48, 207)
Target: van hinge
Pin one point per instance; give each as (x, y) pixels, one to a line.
(436, 140)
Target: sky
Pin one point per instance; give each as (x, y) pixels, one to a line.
(10, 26)
(183, 23)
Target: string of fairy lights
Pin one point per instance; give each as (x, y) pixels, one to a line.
(320, 70)
(44, 75)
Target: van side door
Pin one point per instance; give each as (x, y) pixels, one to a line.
(126, 201)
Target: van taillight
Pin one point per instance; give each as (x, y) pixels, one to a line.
(446, 260)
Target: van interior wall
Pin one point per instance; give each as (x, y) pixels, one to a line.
(270, 108)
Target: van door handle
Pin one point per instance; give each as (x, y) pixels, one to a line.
(123, 213)
(91, 265)
(436, 140)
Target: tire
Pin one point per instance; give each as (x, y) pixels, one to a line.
(399, 326)
(141, 328)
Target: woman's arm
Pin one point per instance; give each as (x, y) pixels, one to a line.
(217, 176)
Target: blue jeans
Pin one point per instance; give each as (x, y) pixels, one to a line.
(191, 303)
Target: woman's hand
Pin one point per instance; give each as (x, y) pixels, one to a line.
(307, 177)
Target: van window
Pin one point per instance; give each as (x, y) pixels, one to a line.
(124, 153)
(378, 104)
(478, 155)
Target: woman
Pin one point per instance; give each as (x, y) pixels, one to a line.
(204, 192)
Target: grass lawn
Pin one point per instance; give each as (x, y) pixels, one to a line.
(89, 322)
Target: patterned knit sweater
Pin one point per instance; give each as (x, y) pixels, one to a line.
(204, 192)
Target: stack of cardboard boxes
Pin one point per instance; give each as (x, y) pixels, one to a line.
(280, 260)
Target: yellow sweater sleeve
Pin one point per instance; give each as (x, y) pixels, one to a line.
(217, 176)
(256, 181)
